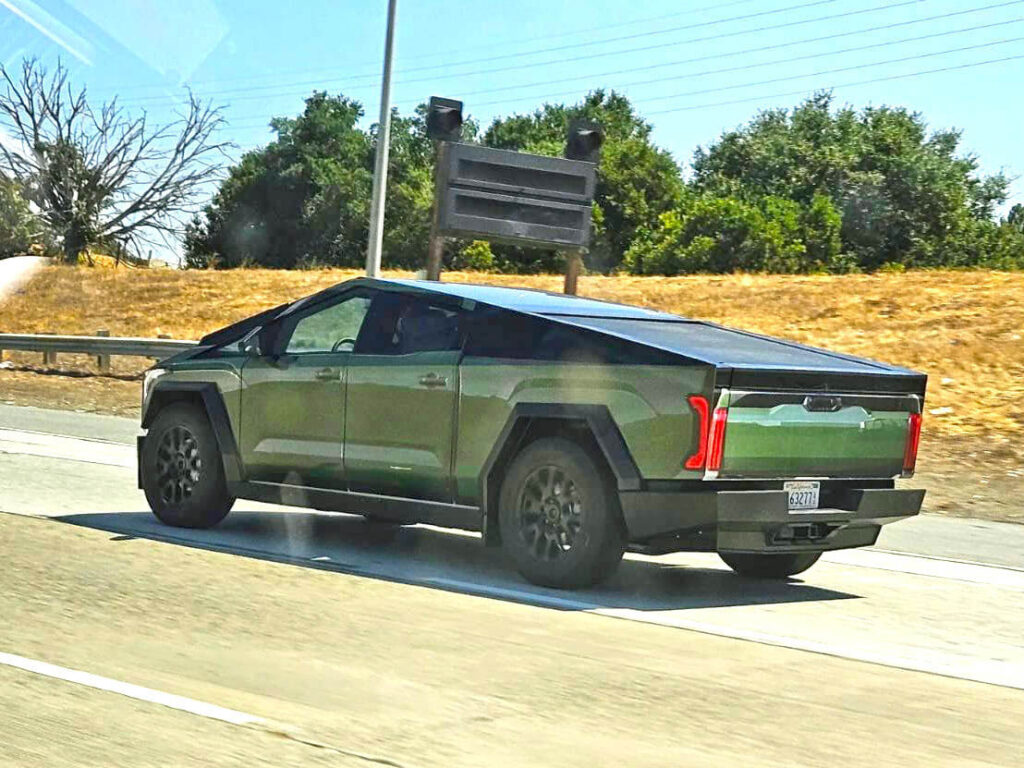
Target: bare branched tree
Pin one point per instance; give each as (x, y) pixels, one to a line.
(100, 176)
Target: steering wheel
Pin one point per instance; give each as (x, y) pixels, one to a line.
(341, 342)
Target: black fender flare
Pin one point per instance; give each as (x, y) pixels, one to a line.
(598, 421)
(209, 395)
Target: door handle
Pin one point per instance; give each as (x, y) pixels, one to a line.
(328, 374)
(433, 380)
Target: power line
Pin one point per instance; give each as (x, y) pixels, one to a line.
(761, 48)
(871, 81)
(720, 36)
(745, 51)
(774, 62)
(576, 58)
(834, 86)
(853, 68)
(634, 36)
(588, 43)
(482, 46)
(835, 71)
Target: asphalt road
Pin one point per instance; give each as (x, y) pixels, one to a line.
(338, 643)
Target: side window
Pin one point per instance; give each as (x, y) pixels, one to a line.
(334, 328)
(504, 335)
(508, 335)
(402, 325)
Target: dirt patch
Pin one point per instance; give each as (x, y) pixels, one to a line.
(71, 391)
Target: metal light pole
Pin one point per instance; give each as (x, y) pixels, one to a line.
(380, 169)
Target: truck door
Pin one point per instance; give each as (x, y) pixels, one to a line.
(293, 397)
(401, 398)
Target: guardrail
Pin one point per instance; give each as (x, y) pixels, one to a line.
(103, 346)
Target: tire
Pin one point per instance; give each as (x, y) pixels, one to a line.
(559, 516)
(182, 470)
(769, 566)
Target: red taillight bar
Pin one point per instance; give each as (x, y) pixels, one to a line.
(913, 441)
(716, 444)
(703, 411)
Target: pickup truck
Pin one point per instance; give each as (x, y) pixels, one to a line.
(565, 430)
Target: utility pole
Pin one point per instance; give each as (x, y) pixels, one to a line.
(380, 169)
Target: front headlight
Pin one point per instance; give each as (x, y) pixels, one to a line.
(148, 380)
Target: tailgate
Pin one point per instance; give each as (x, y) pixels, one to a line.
(793, 434)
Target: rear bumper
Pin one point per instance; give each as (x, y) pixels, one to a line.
(760, 521)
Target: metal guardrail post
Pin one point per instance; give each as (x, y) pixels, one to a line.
(161, 336)
(49, 355)
(103, 361)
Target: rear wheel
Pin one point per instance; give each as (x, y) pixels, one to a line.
(559, 516)
(779, 566)
(182, 471)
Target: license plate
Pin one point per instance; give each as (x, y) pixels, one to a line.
(802, 494)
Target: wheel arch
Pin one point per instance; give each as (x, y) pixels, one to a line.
(587, 424)
(206, 396)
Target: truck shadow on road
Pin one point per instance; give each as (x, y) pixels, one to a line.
(454, 561)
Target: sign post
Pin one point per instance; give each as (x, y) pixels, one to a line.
(573, 267)
(444, 125)
(435, 247)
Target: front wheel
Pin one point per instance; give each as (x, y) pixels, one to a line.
(559, 516)
(182, 471)
(780, 566)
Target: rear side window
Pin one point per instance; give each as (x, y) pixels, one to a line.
(403, 325)
(507, 335)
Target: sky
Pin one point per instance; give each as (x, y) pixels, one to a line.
(693, 68)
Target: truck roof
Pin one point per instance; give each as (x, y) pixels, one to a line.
(533, 301)
(696, 339)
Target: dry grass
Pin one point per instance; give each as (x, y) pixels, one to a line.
(965, 329)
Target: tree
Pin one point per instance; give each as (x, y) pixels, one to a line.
(721, 234)
(1016, 217)
(903, 196)
(303, 200)
(98, 176)
(19, 229)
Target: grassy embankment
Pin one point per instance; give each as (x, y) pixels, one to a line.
(965, 329)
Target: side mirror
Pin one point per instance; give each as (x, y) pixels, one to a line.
(250, 345)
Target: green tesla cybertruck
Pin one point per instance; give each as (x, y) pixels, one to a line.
(566, 430)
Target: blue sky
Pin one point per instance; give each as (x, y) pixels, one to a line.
(694, 67)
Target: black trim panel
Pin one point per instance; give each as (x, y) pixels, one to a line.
(823, 382)
(748, 520)
(597, 418)
(393, 508)
(216, 412)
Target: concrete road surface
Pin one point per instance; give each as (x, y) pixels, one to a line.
(333, 641)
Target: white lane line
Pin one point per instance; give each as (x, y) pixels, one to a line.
(183, 703)
(912, 659)
(940, 568)
(45, 445)
(961, 560)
